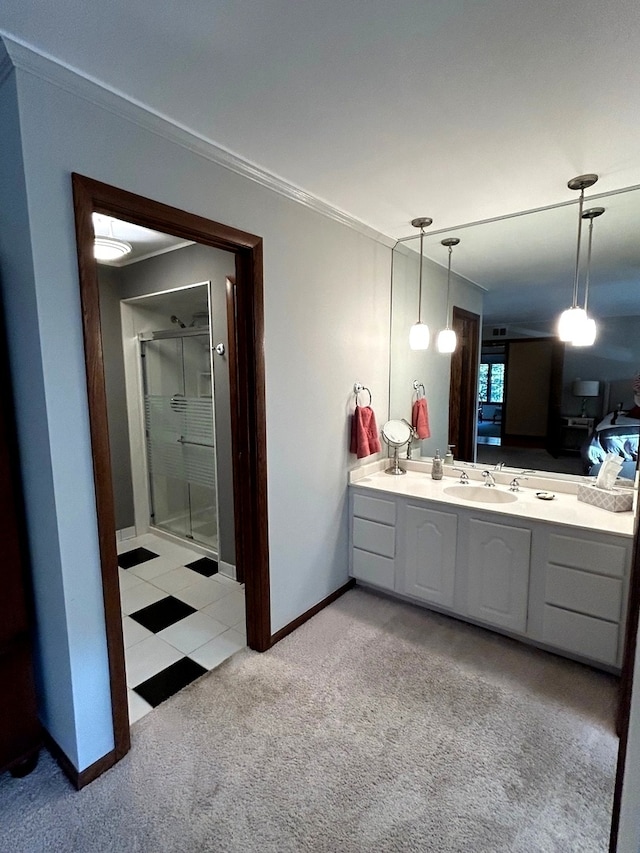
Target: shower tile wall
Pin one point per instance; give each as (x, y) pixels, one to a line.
(180, 618)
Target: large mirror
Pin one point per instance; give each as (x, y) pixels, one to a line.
(536, 401)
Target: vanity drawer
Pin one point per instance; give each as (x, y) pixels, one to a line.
(605, 558)
(371, 536)
(594, 595)
(375, 509)
(373, 568)
(583, 635)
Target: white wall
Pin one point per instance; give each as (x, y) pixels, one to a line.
(629, 827)
(326, 326)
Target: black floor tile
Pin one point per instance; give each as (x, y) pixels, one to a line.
(159, 687)
(206, 566)
(162, 613)
(135, 557)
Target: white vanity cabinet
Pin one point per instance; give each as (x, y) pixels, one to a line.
(373, 540)
(578, 594)
(498, 573)
(430, 544)
(562, 588)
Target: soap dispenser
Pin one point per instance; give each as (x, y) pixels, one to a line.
(436, 467)
(448, 457)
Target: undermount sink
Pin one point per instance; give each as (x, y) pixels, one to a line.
(480, 494)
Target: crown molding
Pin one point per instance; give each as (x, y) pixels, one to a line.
(45, 67)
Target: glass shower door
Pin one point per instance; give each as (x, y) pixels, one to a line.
(178, 407)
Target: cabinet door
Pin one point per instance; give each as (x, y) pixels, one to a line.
(430, 549)
(499, 574)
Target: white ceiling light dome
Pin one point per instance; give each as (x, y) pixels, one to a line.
(107, 247)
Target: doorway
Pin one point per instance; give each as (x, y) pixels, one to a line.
(463, 386)
(247, 411)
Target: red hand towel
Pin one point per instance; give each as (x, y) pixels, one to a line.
(420, 418)
(364, 432)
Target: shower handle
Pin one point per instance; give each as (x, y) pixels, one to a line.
(219, 348)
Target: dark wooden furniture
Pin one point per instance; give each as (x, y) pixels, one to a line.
(20, 731)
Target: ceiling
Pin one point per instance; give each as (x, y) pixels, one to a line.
(461, 110)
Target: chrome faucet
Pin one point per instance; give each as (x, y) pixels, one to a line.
(515, 483)
(464, 477)
(498, 466)
(489, 478)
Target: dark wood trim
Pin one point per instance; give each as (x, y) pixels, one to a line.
(463, 385)
(79, 779)
(248, 420)
(626, 684)
(304, 617)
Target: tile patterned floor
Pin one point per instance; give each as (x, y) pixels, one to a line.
(180, 618)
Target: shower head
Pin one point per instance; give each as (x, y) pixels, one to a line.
(177, 320)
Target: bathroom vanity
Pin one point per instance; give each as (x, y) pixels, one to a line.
(553, 573)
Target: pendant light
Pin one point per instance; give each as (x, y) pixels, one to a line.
(109, 248)
(572, 320)
(447, 340)
(587, 333)
(419, 332)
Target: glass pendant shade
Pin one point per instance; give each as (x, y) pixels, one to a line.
(447, 340)
(419, 336)
(570, 323)
(585, 334)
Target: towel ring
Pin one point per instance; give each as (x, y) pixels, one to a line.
(417, 386)
(358, 388)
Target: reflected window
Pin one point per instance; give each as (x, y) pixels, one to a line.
(491, 382)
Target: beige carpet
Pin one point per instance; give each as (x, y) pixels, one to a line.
(377, 726)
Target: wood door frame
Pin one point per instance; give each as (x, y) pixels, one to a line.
(465, 397)
(247, 412)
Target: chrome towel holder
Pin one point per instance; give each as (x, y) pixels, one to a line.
(358, 388)
(417, 386)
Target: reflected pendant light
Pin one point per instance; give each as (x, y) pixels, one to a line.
(419, 332)
(587, 333)
(109, 248)
(447, 340)
(573, 319)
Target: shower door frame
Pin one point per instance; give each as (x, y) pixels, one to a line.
(247, 390)
(164, 335)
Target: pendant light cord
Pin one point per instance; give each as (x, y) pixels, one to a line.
(449, 282)
(575, 280)
(586, 283)
(420, 292)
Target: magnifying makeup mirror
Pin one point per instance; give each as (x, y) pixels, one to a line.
(396, 434)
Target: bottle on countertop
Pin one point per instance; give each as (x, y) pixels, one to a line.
(448, 457)
(436, 467)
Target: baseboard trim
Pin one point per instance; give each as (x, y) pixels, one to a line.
(79, 779)
(304, 617)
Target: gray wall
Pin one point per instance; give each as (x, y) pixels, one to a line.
(166, 272)
(326, 308)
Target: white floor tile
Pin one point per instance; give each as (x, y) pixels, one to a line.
(176, 579)
(140, 596)
(230, 610)
(154, 568)
(241, 629)
(147, 658)
(202, 593)
(217, 650)
(227, 581)
(127, 545)
(137, 706)
(192, 632)
(127, 580)
(133, 632)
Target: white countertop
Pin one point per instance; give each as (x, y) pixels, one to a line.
(564, 509)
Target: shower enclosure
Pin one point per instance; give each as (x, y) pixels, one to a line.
(179, 432)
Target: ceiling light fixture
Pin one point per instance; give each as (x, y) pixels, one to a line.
(447, 340)
(419, 332)
(586, 334)
(109, 248)
(573, 319)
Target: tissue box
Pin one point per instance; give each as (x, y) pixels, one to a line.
(613, 500)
